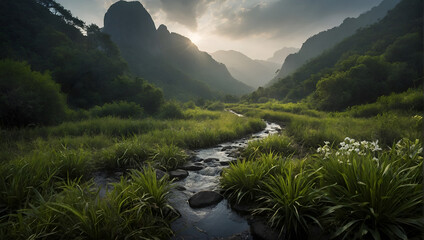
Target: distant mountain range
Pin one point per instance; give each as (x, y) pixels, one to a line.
(254, 73)
(325, 40)
(384, 58)
(280, 55)
(168, 60)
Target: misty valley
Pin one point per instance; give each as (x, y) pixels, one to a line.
(302, 120)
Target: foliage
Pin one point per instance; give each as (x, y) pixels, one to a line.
(135, 209)
(310, 129)
(409, 101)
(380, 59)
(291, 201)
(374, 195)
(242, 181)
(277, 144)
(171, 110)
(215, 106)
(118, 109)
(28, 97)
(88, 67)
(168, 157)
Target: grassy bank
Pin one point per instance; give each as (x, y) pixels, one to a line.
(46, 187)
(351, 190)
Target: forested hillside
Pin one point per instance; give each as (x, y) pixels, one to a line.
(383, 58)
(167, 59)
(325, 40)
(89, 69)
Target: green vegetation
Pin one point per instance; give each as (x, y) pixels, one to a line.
(278, 144)
(135, 208)
(46, 187)
(377, 60)
(117, 109)
(69, 108)
(28, 97)
(88, 68)
(355, 190)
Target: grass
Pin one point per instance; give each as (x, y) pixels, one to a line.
(46, 189)
(291, 201)
(352, 190)
(310, 132)
(278, 144)
(134, 209)
(376, 196)
(168, 157)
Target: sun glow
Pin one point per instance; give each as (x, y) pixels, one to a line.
(194, 37)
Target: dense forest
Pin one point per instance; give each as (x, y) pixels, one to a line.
(144, 136)
(87, 68)
(325, 40)
(383, 58)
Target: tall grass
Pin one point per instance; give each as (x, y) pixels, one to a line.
(168, 157)
(291, 201)
(133, 210)
(278, 144)
(243, 180)
(313, 131)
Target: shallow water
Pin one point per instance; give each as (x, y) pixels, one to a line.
(217, 221)
(213, 222)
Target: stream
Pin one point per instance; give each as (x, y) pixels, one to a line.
(214, 222)
(218, 221)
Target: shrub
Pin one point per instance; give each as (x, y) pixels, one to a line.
(171, 110)
(215, 106)
(242, 181)
(168, 157)
(28, 97)
(291, 201)
(118, 109)
(277, 144)
(373, 195)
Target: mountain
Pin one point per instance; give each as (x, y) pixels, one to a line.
(325, 40)
(254, 73)
(280, 55)
(88, 68)
(377, 60)
(168, 60)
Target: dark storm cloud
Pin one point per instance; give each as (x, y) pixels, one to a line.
(289, 17)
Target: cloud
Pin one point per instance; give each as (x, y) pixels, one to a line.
(185, 12)
(285, 18)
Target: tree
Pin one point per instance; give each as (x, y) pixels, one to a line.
(28, 97)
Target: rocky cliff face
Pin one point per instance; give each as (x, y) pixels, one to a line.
(130, 25)
(167, 59)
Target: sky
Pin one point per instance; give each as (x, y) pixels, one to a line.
(256, 28)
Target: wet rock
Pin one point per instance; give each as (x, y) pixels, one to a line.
(192, 167)
(234, 154)
(261, 230)
(226, 148)
(205, 199)
(207, 160)
(159, 174)
(198, 164)
(178, 174)
(241, 236)
(242, 208)
(225, 163)
(180, 188)
(118, 174)
(267, 131)
(195, 159)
